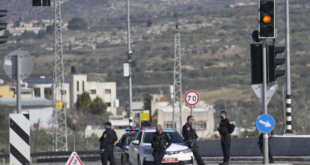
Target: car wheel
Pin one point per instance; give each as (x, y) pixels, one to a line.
(125, 161)
(139, 163)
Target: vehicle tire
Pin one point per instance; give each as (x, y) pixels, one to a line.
(139, 163)
(124, 162)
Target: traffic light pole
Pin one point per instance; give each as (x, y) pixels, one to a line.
(288, 73)
(265, 99)
(129, 61)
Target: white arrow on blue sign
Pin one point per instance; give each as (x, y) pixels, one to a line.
(265, 123)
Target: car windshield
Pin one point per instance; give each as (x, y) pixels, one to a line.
(175, 137)
(129, 138)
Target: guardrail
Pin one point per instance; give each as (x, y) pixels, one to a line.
(280, 146)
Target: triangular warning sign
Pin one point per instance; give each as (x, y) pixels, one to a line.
(258, 89)
(74, 159)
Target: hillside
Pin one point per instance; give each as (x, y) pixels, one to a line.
(215, 41)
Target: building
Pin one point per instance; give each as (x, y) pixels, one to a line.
(9, 91)
(203, 113)
(75, 85)
(39, 109)
(119, 123)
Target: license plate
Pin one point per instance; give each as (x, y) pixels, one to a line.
(170, 160)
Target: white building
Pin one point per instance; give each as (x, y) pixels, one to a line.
(203, 114)
(37, 108)
(74, 86)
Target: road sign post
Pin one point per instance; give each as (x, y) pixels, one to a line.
(265, 123)
(18, 65)
(191, 99)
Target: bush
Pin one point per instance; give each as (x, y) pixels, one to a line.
(77, 23)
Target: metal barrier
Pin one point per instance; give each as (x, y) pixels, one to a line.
(280, 146)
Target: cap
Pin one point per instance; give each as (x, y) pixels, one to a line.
(107, 123)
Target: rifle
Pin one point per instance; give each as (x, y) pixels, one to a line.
(156, 144)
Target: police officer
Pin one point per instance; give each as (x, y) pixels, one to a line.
(225, 129)
(190, 138)
(107, 141)
(261, 144)
(160, 142)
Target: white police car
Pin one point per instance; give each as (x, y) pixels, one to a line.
(141, 151)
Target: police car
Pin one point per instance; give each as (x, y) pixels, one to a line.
(121, 147)
(141, 151)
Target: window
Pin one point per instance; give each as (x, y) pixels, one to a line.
(93, 91)
(200, 125)
(107, 91)
(138, 137)
(77, 86)
(168, 124)
(175, 137)
(77, 97)
(50, 92)
(129, 139)
(83, 86)
(109, 104)
(63, 92)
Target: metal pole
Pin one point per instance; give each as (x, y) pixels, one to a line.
(288, 73)
(265, 99)
(18, 102)
(192, 111)
(74, 141)
(140, 118)
(129, 61)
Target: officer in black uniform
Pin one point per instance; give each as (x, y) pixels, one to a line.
(190, 138)
(225, 129)
(160, 142)
(107, 141)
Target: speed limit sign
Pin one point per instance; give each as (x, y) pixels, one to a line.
(191, 98)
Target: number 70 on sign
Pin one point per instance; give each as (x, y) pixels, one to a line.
(191, 98)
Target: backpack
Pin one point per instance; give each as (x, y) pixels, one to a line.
(113, 137)
(232, 127)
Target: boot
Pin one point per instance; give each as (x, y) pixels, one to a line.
(226, 163)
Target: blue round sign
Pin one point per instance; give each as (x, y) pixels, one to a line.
(265, 123)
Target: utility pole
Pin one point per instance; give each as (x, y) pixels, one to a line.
(59, 99)
(129, 62)
(177, 82)
(288, 72)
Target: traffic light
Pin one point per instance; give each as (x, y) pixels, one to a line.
(273, 62)
(3, 26)
(41, 2)
(256, 64)
(266, 19)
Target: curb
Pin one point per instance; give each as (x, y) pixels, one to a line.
(260, 159)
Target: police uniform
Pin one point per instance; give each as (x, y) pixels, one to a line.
(158, 143)
(190, 137)
(225, 130)
(107, 143)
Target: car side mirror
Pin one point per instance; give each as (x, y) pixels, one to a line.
(135, 142)
(118, 144)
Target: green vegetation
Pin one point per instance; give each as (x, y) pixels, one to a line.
(77, 23)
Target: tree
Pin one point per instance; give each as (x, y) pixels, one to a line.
(97, 106)
(77, 23)
(176, 15)
(50, 29)
(83, 101)
(149, 23)
(41, 34)
(7, 33)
